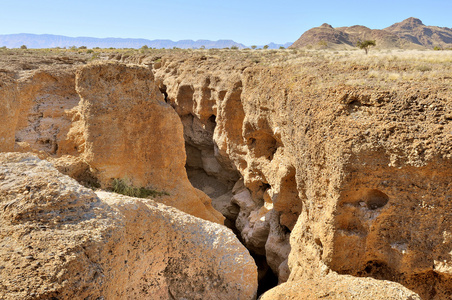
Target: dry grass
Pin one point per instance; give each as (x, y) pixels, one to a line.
(328, 68)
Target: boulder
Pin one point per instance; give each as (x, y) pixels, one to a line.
(340, 287)
(61, 240)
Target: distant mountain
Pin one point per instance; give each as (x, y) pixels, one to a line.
(416, 32)
(51, 41)
(275, 46)
(409, 34)
(322, 36)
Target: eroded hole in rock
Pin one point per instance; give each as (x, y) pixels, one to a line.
(318, 242)
(380, 238)
(378, 270)
(356, 213)
(78, 170)
(262, 144)
(212, 119)
(375, 199)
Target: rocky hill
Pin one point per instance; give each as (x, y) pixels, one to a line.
(332, 169)
(409, 34)
(414, 31)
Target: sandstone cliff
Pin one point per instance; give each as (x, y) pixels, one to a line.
(347, 172)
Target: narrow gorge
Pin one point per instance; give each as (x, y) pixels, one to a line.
(330, 188)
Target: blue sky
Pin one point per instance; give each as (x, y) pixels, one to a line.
(247, 22)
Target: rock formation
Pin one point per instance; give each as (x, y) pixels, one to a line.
(126, 130)
(414, 31)
(59, 240)
(321, 157)
(343, 180)
(340, 287)
(408, 34)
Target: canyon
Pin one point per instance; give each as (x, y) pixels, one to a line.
(282, 174)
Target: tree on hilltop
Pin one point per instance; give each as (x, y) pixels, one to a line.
(365, 45)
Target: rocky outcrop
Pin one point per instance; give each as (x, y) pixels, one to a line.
(336, 175)
(340, 287)
(9, 112)
(126, 130)
(61, 240)
(107, 126)
(351, 169)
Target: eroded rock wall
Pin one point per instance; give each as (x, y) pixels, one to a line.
(355, 176)
(337, 169)
(9, 112)
(245, 143)
(47, 99)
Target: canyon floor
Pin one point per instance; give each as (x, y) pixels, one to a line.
(279, 174)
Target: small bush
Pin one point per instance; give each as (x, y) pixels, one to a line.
(23, 47)
(124, 187)
(423, 68)
(365, 45)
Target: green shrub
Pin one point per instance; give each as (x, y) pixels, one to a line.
(124, 187)
(365, 45)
